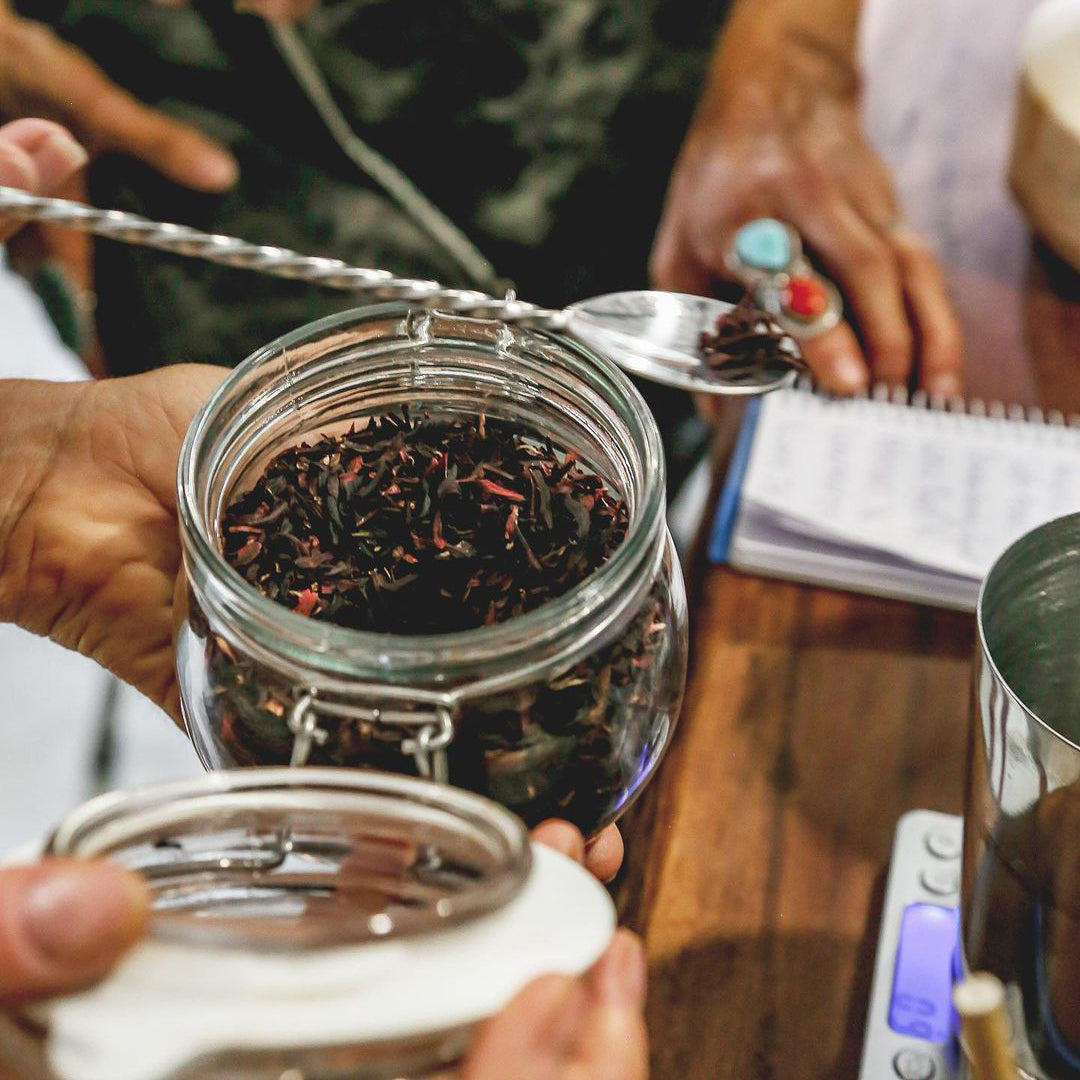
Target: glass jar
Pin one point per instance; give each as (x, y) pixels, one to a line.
(564, 711)
(311, 924)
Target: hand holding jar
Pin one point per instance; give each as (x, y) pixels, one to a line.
(89, 548)
(89, 555)
(65, 923)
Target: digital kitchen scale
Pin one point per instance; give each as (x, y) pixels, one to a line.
(911, 1026)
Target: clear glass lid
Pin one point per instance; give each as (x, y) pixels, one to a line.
(306, 919)
(286, 859)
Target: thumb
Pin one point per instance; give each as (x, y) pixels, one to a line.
(65, 923)
(37, 156)
(531, 1037)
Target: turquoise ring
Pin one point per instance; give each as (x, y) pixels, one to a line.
(766, 255)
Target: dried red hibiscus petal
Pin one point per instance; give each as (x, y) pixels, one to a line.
(399, 528)
(248, 553)
(497, 489)
(746, 340)
(306, 602)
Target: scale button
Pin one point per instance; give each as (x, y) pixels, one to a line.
(944, 843)
(914, 1065)
(940, 880)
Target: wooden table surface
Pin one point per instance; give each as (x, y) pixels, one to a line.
(814, 719)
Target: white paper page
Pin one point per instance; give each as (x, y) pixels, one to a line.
(946, 490)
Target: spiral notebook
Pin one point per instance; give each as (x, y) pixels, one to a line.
(889, 495)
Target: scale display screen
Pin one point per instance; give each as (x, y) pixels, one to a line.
(921, 1001)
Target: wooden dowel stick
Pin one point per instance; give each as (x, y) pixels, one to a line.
(980, 1001)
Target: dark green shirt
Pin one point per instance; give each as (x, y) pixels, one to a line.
(545, 130)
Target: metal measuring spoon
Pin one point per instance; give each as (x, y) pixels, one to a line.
(656, 335)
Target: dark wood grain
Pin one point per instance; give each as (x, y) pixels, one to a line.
(814, 719)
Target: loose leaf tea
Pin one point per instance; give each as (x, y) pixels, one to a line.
(747, 341)
(414, 524)
(420, 526)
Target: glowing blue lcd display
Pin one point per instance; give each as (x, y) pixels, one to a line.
(921, 1002)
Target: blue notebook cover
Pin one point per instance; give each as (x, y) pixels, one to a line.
(727, 507)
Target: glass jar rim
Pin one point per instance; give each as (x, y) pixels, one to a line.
(121, 823)
(548, 621)
(990, 590)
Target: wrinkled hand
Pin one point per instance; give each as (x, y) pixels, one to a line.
(89, 543)
(89, 550)
(786, 142)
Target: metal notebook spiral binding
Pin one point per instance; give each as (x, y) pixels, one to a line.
(921, 401)
(274, 261)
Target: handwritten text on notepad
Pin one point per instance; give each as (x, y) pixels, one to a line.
(945, 490)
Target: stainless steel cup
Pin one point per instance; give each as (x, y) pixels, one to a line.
(1021, 881)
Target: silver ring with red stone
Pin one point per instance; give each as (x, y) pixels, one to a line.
(766, 255)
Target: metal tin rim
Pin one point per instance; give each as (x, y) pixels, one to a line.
(984, 648)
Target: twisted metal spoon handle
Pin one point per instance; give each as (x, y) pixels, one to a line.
(274, 261)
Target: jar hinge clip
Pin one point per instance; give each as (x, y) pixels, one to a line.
(304, 725)
(429, 745)
(434, 732)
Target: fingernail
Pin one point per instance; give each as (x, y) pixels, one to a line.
(56, 158)
(945, 385)
(65, 147)
(620, 978)
(17, 169)
(215, 170)
(848, 373)
(84, 914)
(562, 837)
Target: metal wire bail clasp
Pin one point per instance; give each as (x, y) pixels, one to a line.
(429, 745)
(304, 725)
(433, 731)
